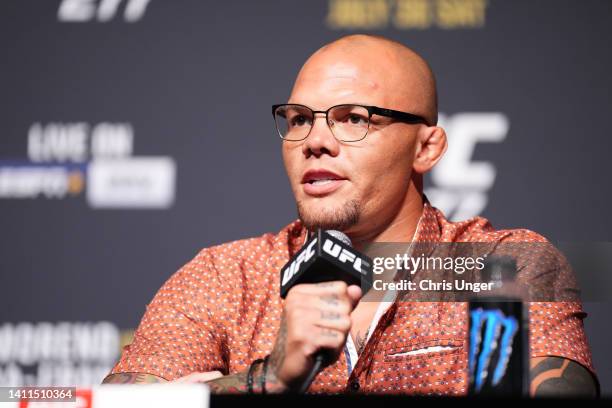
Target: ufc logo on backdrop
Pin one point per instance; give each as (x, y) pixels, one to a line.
(79, 11)
(460, 185)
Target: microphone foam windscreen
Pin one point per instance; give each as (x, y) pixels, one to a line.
(340, 236)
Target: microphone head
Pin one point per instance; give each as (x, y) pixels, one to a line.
(340, 236)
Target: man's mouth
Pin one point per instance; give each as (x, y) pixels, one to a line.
(320, 182)
(320, 176)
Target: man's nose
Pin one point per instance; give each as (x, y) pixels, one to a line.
(321, 140)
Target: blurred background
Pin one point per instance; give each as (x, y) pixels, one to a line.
(136, 132)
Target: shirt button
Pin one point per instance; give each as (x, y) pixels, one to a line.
(355, 386)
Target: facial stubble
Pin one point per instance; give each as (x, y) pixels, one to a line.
(339, 219)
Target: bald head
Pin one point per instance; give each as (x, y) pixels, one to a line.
(371, 188)
(387, 69)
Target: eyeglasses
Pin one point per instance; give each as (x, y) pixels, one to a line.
(348, 122)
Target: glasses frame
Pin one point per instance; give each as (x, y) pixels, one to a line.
(372, 110)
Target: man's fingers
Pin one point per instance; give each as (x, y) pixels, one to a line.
(315, 317)
(338, 287)
(199, 377)
(335, 317)
(332, 319)
(330, 338)
(354, 293)
(335, 303)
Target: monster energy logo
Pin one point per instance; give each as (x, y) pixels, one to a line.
(499, 332)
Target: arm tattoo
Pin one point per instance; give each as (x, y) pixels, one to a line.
(230, 384)
(277, 358)
(560, 377)
(237, 383)
(132, 378)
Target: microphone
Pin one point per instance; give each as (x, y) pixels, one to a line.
(326, 256)
(498, 335)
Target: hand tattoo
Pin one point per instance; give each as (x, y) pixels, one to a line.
(327, 315)
(329, 333)
(332, 300)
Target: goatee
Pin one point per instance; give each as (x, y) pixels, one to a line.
(339, 219)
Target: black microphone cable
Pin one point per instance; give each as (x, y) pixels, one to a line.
(316, 367)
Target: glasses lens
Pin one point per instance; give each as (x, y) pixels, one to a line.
(293, 121)
(349, 123)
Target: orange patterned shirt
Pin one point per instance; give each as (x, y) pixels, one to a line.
(222, 310)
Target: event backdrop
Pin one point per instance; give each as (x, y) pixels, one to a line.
(136, 132)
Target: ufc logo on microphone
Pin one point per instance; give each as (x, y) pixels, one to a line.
(302, 258)
(342, 254)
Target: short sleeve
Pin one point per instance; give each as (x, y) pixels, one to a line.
(556, 329)
(179, 333)
(556, 316)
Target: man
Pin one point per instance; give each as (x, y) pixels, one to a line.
(360, 172)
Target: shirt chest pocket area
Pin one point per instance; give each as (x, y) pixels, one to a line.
(419, 349)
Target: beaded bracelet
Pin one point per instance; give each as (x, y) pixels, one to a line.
(264, 374)
(250, 375)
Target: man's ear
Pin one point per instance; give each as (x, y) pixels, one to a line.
(431, 145)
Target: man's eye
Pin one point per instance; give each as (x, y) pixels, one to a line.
(357, 119)
(299, 120)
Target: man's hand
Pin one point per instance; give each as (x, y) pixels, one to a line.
(315, 317)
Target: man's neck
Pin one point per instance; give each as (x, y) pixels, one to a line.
(401, 228)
